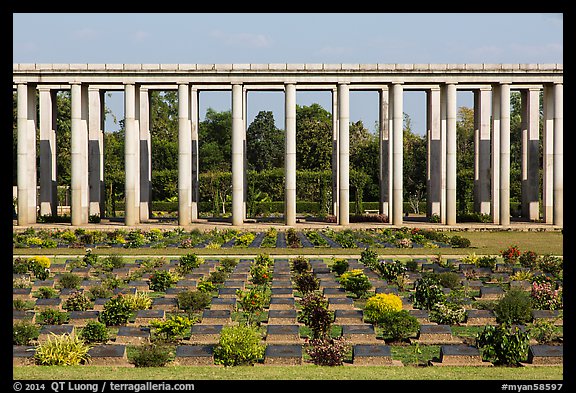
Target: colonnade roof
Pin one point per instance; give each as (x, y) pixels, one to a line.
(280, 73)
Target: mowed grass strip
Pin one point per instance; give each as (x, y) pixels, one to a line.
(303, 372)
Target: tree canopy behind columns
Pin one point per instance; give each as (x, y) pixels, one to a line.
(215, 141)
(264, 143)
(164, 130)
(313, 138)
(464, 158)
(364, 157)
(414, 164)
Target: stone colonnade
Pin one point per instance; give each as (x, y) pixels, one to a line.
(490, 84)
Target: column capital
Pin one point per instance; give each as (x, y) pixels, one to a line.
(44, 88)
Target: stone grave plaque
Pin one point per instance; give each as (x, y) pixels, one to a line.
(143, 317)
(334, 292)
(196, 276)
(194, 355)
(321, 270)
(109, 355)
(546, 355)
(284, 333)
(281, 303)
(466, 267)
(340, 303)
(223, 303)
(65, 293)
(121, 272)
(227, 292)
(348, 317)
(329, 283)
(21, 293)
(460, 355)
(42, 283)
(235, 284)
(472, 284)
(283, 355)
(422, 315)
(238, 276)
(280, 317)
(360, 334)
(521, 284)
(81, 318)
(99, 303)
(172, 293)
(503, 268)
(283, 283)
(125, 291)
(139, 285)
(133, 335)
(23, 316)
(480, 318)
(373, 355)
(205, 334)
(23, 355)
(552, 315)
(386, 289)
(216, 317)
(491, 293)
(47, 331)
(58, 268)
(436, 334)
(87, 284)
(282, 292)
(43, 304)
(165, 303)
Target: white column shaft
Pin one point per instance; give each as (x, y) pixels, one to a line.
(548, 155)
(237, 155)
(290, 159)
(384, 138)
(48, 182)
(335, 153)
(558, 218)
(504, 154)
(26, 150)
(132, 166)
(184, 155)
(434, 152)
(145, 149)
(482, 151)
(195, 196)
(344, 153)
(451, 154)
(95, 150)
(495, 163)
(530, 153)
(79, 154)
(397, 154)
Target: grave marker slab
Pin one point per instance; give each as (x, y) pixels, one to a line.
(223, 303)
(373, 355)
(81, 318)
(285, 333)
(360, 334)
(460, 355)
(47, 331)
(283, 355)
(334, 292)
(205, 334)
(194, 355)
(23, 316)
(23, 355)
(133, 335)
(216, 317)
(480, 318)
(43, 304)
(165, 303)
(282, 292)
(348, 317)
(491, 293)
(280, 317)
(546, 355)
(109, 355)
(143, 317)
(436, 334)
(340, 303)
(282, 303)
(21, 293)
(551, 315)
(99, 303)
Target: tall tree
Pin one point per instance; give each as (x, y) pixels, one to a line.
(264, 143)
(414, 165)
(313, 138)
(215, 141)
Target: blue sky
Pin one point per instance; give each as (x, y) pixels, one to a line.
(207, 38)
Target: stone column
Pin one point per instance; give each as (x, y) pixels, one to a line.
(26, 173)
(131, 154)
(244, 153)
(290, 151)
(495, 162)
(237, 155)
(451, 154)
(195, 197)
(384, 156)
(48, 182)
(145, 150)
(344, 153)
(530, 99)
(184, 155)
(79, 154)
(558, 218)
(95, 150)
(397, 154)
(482, 151)
(505, 154)
(335, 152)
(442, 158)
(434, 152)
(548, 155)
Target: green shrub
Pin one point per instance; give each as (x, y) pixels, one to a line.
(511, 254)
(52, 316)
(514, 308)
(543, 331)
(486, 261)
(457, 241)
(427, 293)
(339, 266)
(380, 304)
(173, 328)
(45, 293)
(263, 259)
(252, 302)
(20, 266)
(545, 297)
(99, 291)
(314, 314)
(24, 332)
(161, 280)
(228, 264)
(327, 351)
(94, 332)
(205, 286)
(116, 311)
(503, 344)
(39, 265)
(306, 282)
(528, 259)
(390, 270)
(138, 301)
(217, 277)
(77, 302)
(188, 262)
(398, 325)
(369, 257)
(193, 301)
(260, 274)
(447, 313)
(239, 345)
(356, 282)
(111, 262)
(22, 305)
(70, 281)
(90, 259)
(550, 264)
(449, 280)
(300, 264)
(62, 350)
(151, 355)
